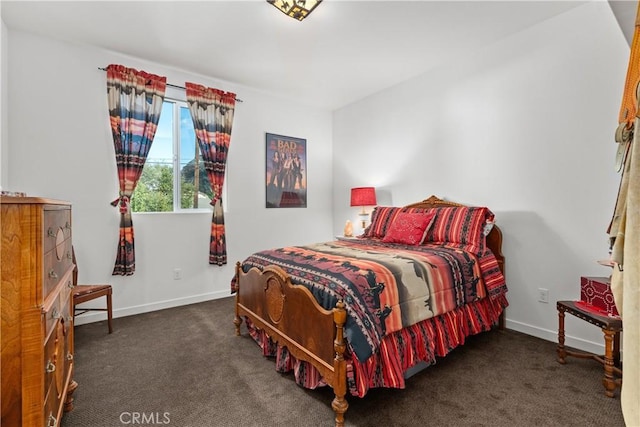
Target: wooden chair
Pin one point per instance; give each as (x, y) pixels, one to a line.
(87, 292)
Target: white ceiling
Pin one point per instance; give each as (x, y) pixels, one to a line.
(343, 52)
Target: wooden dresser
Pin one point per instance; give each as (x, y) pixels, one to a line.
(37, 319)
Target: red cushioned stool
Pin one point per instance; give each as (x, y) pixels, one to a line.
(611, 327)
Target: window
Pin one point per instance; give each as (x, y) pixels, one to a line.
(173, 178)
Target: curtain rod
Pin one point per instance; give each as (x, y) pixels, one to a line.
(172, 85)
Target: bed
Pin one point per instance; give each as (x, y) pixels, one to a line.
(366, 312)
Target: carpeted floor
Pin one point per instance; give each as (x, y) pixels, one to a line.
(185, 367)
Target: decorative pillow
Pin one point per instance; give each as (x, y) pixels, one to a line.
(460, 224)
(383, 216)
(409, 228)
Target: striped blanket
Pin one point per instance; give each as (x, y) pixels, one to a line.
(386, 287)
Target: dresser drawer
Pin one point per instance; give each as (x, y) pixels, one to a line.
(69, 353)
(56, 264)
(58, 365)
(57, 226)
(58, 306)
(52, 407)
(54, 362)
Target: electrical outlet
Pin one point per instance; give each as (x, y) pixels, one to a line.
(177, 274)
(543, 295)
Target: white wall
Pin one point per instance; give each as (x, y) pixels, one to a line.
(525, 127)
(59, 146)
(3, 104)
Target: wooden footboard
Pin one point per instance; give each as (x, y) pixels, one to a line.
(292, 317)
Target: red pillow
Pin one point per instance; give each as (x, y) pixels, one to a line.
(409, 228)
(383, 216)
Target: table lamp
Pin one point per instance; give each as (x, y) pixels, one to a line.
(363, 196)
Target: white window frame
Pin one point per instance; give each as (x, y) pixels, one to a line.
(177, 190)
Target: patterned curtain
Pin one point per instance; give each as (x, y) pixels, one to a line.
(624, 232)
(212, 111)
(135, 101)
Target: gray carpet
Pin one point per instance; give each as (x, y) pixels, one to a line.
(185, 367)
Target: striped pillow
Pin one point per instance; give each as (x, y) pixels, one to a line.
(460, 224)
(381, 218)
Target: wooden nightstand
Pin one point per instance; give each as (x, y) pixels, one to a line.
(344, 238)
(611, 327)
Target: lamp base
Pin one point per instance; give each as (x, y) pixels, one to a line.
(363, 218)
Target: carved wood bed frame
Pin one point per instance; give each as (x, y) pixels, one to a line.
(291, 316)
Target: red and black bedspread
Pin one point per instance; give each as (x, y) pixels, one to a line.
(386, 287)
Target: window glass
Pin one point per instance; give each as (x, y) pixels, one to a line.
(173, 177)
(194, 181)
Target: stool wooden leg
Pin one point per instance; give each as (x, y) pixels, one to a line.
(109, 312)
(616, 349)
(608, 380)
(562, 352)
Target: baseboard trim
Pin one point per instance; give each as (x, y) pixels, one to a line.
(548, 335)
(97, 316)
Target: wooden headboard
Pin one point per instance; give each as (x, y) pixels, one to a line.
(494, 238)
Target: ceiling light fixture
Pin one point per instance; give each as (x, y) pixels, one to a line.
(297, 9)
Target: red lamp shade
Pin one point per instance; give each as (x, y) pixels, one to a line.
(363, 196)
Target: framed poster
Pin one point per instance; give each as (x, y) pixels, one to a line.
(286, 171)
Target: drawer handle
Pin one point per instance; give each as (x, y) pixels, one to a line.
(51, 367)
(67, 225)
(55, 314)
(70, 284)
(69, 356)
(50, 232)
(52, 422)
(69, 318)
(69, 255)
(53, 274)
